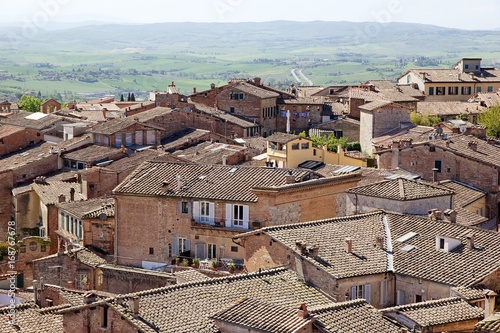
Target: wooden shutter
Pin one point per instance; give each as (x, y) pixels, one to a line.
(175, 246)
(211, 212)
(246, 215)
(200, 250)
(367, 292)
(196, 211)
(354, 293)
(229, 218)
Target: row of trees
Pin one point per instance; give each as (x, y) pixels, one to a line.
(331, 142)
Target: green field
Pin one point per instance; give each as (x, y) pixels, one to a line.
(90, 61)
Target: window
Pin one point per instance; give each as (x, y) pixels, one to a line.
(118, 139)
(231, 109)
(305, 145)
(234, 249)
(432, 149)
(22, 249)
(33, 246)
(338, 134)
(105, 141)
(437, 165)
(478, 89)
(490, 89)
(204, 212)
(104, 317)
(184, 207)
(361, 291)
(383, 292)
(295, 146)
(477, 67)
(151, 251)
(237, 215)
(448, 169)
(431, 91)
(97, 139)
(241, 95)
(441, 243)
(466, 90)
(440, 91)
(418, 298)
(452, 90)
(62, 220)
(212, 251)
(314, 152)
(401, 297)
(466, 66)
(182, 244)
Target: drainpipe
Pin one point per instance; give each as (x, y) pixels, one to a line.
(116, 230)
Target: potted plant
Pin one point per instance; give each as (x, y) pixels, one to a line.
(196, 262)
(214, 264)
(185, 262)
(231, 266)
(177, 261)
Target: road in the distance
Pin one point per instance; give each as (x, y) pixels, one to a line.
(304, 78)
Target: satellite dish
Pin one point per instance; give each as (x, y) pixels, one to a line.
(463, 129)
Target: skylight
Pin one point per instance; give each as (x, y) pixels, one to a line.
(406, 237)
(408, 248)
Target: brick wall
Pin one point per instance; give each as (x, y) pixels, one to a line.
(91, 320)
(19, 140)
(125, 281)
(99, 234)
(59, 269)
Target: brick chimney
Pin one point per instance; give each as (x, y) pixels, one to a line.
(194, 90)
(61, 198)
(257, 81)
(348, 245)
(135, 306)
(469, 238)
(379, 242)
(473, 145)
(489, 304)
(450, 215)
(212, 86)
(180, 182)
(70, 285)
(302, 312)
(290, 179)
(72, 194)
(314, 250)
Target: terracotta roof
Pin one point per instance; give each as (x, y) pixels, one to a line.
(449, 108)
(262, 316)
(230, 118)
(92, 153)
(464, 194)
(459, 267)
(30, 319)
(468, 218)
(459, 145)
(190, 275)
(215, 182)
(90, 208)
(129, 163)
(438, 312)
(352, 316)
(380, 103)
(451, 75)
(209, 152)
(414, 133)
(19, 119)
(49, 192)
(188, 307)
(253, 90)
(116, 125)
(371, 96)
(401, 189)
(488, 325)
(182, 138)
(318, 100)
(283, 138)
(470, 293)
(6, 130)
(489, 99)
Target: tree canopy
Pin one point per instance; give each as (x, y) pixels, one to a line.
(423, 119)
(491, 119)
(30, 103)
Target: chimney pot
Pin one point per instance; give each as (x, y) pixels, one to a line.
(70, 285)
(62, 198)
(473, 145)
(450, 215)
(379, 241)
(194, 90)
(348, 245)
(72, 194)
(135, 309)
(303, 313)
(470, 241)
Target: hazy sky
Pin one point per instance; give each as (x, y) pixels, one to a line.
(478, 14)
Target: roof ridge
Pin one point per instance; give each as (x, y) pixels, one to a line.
(426, 304)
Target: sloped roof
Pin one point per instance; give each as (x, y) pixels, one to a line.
(451, 75)
(20, 119)
(442, 108)
(352, 316)
(214, 182)
(438, 312)
(485, 153)
(469, 293)
(90, 208)
(253, 90)
(49, 192)
(30, 318)
(188, 307)
(92, 153)
(464, 194)
(230, 118)
(6, 130)
(488, 325)
(209, 152)
(380, 103)
(401, 189)
(281, 137)
(264, 316)
(460, 267)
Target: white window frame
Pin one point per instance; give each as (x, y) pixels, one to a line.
(205, 212)
(237, 215)
(383, 292)
(401, 297)
(361, 291)
(211, 251)
(182, 244)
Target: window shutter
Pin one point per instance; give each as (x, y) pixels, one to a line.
(367, 292)
(175, 246)
(383, 292)
(354, 294)
(196, 211)
(188, 244)
(200, 250)
(189, 207)
(179, 207)
(228, 215)
(211, 212)
(245, 216)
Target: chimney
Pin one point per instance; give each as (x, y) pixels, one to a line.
(61, 198)
(89, 298)
(135, 307)
(489, 304)
(72, 194)
(257, 81)
(194, 90)
(348, 245)
(180, 182)
(35, 292)
(434, 175)
(70, 285)
(303, 313)
(437, 215)
(450, 215)
(404, 330)
(212, 86)
(103, 113)
(395, 144)
(473, 145)
(224, 159)
(423, 75)
(379, 241)
(290, 179)
(471, 76)
(469, 238)
(173, 85)
(301, 247)
(314, 251)
(491, 140)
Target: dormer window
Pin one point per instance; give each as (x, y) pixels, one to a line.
(446, 244)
